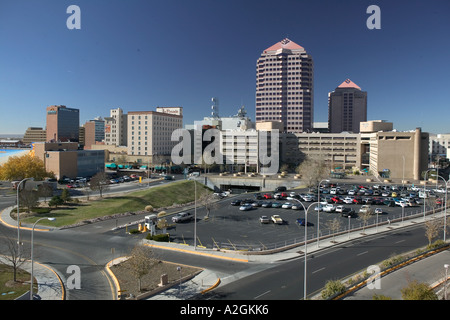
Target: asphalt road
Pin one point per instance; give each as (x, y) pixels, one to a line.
(284, 281)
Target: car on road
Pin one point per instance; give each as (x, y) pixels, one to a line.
(183, 217)
(302, 222)
(276, 219)
(246, 207)
(264, 219)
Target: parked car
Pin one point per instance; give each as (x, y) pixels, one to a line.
(266, 204)
(296, 206)
(246, 207)
(264, 219)
(348, 212)
(329, 208)
(277, 219)
(236, 202)
(302, 222)
(378, 211)
(287, 205)
(364, 208)
(339, 209)
(276, 204)
(183, 217)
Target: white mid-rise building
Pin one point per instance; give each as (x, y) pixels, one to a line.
(149, 132)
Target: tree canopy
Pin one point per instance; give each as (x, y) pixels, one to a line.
(21, 167)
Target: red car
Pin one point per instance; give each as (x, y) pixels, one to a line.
(336, 199)
(357, 200)
(267, 196)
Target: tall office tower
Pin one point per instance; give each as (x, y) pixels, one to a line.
(284, 86)
(63, 124)
(116, 128)
(94, 132)
(347, 107)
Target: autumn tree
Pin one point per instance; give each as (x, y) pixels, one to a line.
(26, 166)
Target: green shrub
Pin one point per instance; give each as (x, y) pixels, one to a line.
(134, 231)
(164, 237)
(332, 288)
(41, 210)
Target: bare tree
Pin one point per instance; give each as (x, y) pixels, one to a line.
(13, 254)
(28, 198)
(334, 226)
(365, 216)
(432, 228)
(141, 261)
(208, 200)
(99, 182)
(312, 170)
(45, 190)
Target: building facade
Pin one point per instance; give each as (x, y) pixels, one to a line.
(62, 124)
(116, 128)
(94, 132)
(149, 132)
(34, 134)
(284, 86)
(347, 108)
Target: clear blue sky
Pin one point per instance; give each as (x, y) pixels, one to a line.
(139, 54)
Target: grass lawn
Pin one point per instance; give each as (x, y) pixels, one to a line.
(10, 290)
(179, 192)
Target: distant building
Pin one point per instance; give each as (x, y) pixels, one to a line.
(285, 86)
(62, 124)
(116, 128)
(34, 134)
(347, 108)
(94, 132)
(65, 160)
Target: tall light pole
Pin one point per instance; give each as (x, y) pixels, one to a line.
(18, 216)
(445, 283)
(318, 211)
(32, 236)
(425, 192)
(445, 208)
(305, 242)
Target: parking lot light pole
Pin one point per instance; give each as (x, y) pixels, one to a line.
(18, 216)
(32, 237)
(318, 211)
(306, 243)
(445, 283)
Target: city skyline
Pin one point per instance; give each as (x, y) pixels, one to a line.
(143, 54)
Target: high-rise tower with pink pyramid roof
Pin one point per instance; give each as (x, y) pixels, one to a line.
(347, 107)
(284, 86)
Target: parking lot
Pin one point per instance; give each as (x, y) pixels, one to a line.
(230, 227)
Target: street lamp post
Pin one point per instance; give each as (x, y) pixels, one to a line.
(32, 238)
(305, 242)
(318, 211)
(445, 283)
(18, 216)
